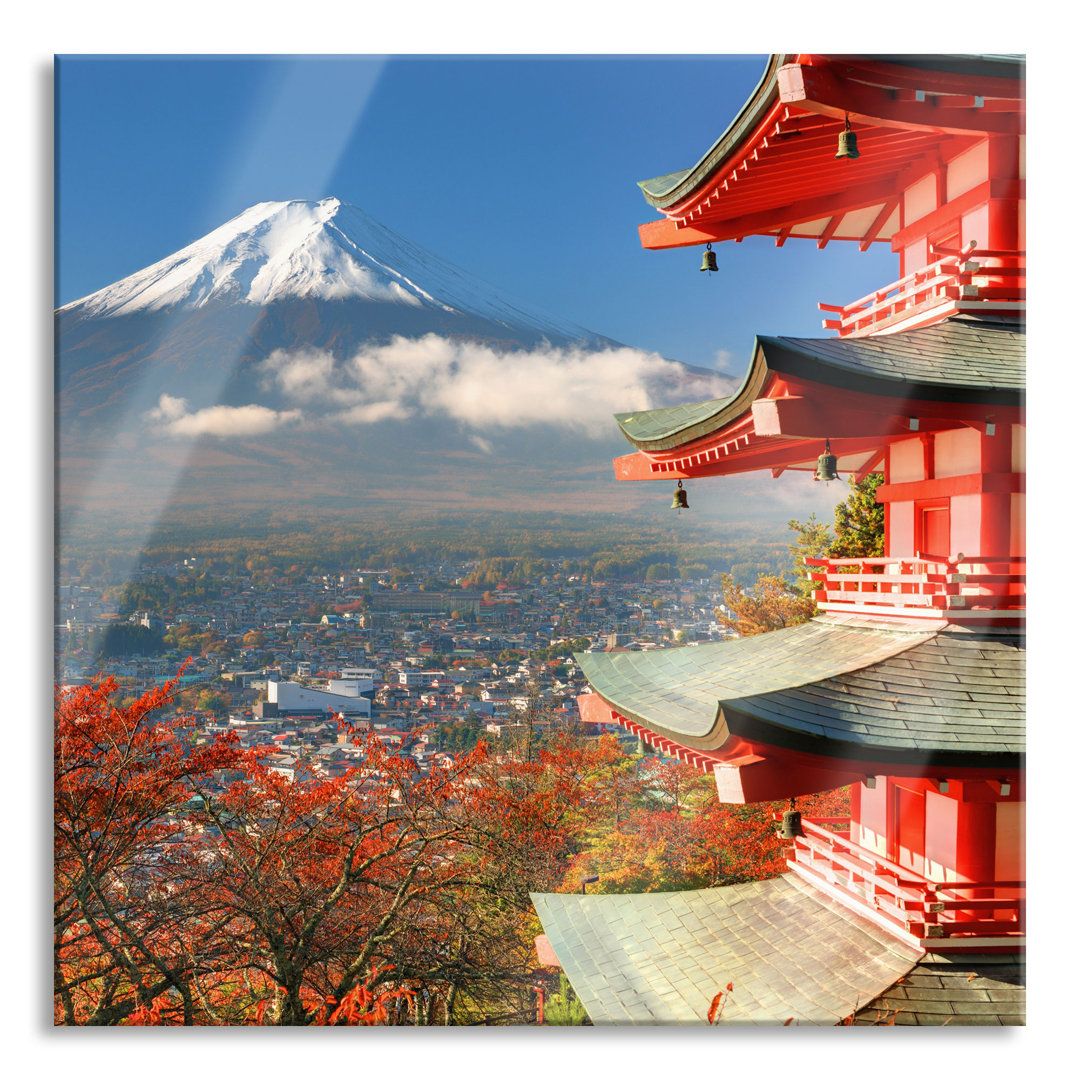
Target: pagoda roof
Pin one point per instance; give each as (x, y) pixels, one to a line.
(975, 359)
(790, 953)
(773, 171)
(838, 688)
(660, 958)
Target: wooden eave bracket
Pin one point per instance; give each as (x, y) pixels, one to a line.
(668, 233)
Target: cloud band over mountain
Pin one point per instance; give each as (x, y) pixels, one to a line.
(476, 385)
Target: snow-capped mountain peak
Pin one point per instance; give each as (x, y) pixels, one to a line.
(325, 250)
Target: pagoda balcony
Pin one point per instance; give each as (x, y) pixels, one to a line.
(966, 589)
(939, 916)
(968, 280)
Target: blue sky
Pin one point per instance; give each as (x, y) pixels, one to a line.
(520, 169)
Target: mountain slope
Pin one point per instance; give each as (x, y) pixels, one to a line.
(327, 250)
(303, 347)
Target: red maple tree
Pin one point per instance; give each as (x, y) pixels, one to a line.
(197, 884)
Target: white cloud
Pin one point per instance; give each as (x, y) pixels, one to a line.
(301, 375)
(224, 421)
(485, 388)
(168, 408)
(372, 413)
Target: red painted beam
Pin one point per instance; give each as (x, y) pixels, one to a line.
(811, 418)
(878, 223)
(818, 89)
(947, 487)
(869, 69)
(783, 454)
(962, 204)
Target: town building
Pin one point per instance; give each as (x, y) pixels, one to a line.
(352, 697)
(909, 683)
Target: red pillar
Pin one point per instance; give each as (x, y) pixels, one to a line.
(995, 526)
(1003, 214)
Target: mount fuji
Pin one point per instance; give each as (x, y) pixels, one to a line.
(302, 353)
(327, 250)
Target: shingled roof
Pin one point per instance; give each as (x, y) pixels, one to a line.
(965, 358)
(660, 958)
(960, 991)
(791, 955)
(846, 688)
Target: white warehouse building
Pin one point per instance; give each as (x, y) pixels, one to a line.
(349, 696)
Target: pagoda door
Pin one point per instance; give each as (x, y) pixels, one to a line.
(934, 528)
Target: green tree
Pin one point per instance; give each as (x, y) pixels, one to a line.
(813, 542)
(858, 531)
(128, 639)
(860, 521)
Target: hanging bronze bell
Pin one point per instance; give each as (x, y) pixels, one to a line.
(708, 259)
(849, 145)
(826, 465)
(678, 501)
(791, 825)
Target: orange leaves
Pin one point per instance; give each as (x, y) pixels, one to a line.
(146, 1016)
(267, 899)
(194, 884)
(718, 1002)
(361, 1006)
(770, 605)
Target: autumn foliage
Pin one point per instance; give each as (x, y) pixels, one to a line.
(678, 835)
(771, 605)
(196, 885)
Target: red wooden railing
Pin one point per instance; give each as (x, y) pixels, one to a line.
(961, 588)
(968, 278)
(942, 916)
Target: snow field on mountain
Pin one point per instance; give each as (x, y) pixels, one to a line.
(326, 250)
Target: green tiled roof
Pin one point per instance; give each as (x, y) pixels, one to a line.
(656, 424)
(963, 358)
(659, 958)
(662, 191)
(832, 686)
(659, 186)
(961, 991)
(966, 355)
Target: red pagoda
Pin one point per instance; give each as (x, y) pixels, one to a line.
(909, 684)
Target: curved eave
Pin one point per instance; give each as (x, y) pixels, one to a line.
(774, 171)
(963, 361)
(660, 957)
(665, 429)
(834, 689)
(940, 371)
(664, 191)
